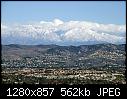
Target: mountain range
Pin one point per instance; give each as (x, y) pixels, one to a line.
(15, 55)
(63, 33)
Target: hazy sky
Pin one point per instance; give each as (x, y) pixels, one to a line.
(105, 12)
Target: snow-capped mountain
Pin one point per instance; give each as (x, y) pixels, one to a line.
(59, 32)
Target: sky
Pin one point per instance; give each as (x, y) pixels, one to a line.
(106, 12)
(63, 22)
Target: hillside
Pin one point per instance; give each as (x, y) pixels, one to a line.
(109, 55)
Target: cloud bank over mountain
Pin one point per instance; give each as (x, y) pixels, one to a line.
(63, 33)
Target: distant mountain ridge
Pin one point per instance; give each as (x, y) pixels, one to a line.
(63, 56)
(63, 33)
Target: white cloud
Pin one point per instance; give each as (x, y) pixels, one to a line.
(3, 26)
(57, 22)
(59, 31)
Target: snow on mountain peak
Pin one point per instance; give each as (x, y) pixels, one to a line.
(58, 31)
(57, 22)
